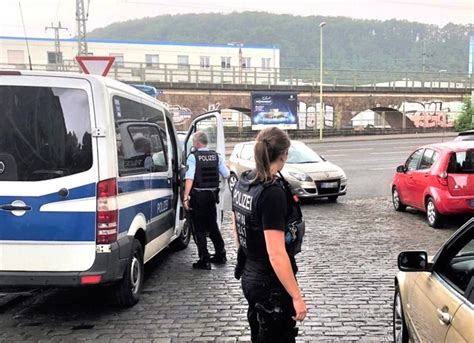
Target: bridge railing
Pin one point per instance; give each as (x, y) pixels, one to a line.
(289, 78)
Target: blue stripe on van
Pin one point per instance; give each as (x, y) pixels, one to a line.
(35, 225)
(126, 186)
(49, 226)
(150, 209)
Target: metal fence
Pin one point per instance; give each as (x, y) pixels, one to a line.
(288, 77)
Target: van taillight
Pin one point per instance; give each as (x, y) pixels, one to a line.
(107, 212)
(443, 178)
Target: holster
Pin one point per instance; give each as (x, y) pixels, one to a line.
(272, 324)
(297, 230)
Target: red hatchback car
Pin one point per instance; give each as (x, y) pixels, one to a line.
(437, 179)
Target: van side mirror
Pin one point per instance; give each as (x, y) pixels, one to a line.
(401, 169)
(413, 261)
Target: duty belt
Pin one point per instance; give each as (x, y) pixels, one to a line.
(205, 189)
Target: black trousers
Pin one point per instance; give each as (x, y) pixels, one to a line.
(276, 326)
(204, 219)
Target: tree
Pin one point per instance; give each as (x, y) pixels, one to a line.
(464, 120)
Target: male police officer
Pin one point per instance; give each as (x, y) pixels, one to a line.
(200, 195)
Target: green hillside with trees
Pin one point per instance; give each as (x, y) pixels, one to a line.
(352, 44)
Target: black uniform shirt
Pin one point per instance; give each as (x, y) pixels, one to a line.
(272, 207)
(276, 208)
(272, 210)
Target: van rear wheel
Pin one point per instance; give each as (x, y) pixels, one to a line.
(127, 291)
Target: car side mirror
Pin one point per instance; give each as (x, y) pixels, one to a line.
(413, 261)
(401, 169)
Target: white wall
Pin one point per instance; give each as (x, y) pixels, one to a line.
(135, 53)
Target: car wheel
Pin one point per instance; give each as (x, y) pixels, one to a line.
(333, 198)
(432, 215)
(400, 331)
(183, 239)
(397, 203)
(127, 291)
(232, 181)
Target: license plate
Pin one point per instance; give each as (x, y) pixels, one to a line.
(472, 202)
(328, 184)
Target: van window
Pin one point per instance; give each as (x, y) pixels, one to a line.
(147, 144)
(461, 162)
(45, 132)
(154, 115)
(141, 137)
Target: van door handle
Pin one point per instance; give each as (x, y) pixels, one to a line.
(15, 208)
(444, 316)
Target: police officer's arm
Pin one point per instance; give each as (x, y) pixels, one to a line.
(273, 210)
(223, 170)
(275, 243)
(188, 184)
(189, 179)
(234, 231)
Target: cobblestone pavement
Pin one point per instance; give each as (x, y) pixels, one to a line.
(346, 273)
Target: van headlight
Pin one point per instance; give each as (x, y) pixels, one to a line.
(300, 176)
(343, 179)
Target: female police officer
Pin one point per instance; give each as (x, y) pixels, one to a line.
(263, 207)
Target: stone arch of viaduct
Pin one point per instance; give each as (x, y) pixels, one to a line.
(345, 104)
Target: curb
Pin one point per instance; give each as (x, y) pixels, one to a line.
(445, 136)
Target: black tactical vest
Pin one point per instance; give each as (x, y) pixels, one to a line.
(250, 234)
(207, 169)
(244, 204)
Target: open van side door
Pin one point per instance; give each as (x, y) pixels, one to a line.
(212, 124)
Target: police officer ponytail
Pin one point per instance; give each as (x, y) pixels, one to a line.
(271, 144)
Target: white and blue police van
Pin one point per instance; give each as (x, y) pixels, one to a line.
(90, 181)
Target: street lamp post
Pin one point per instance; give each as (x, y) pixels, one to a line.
(241, 59)
(321, 113)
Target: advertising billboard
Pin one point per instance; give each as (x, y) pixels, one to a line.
(274, 109)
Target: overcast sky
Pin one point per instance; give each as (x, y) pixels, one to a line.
(40, 13)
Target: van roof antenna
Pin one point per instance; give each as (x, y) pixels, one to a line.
(26, 37)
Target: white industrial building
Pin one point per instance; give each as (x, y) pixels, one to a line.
(139, 59)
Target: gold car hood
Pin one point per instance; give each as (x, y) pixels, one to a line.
(317, 171)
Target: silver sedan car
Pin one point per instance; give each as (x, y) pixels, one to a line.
(310, 174)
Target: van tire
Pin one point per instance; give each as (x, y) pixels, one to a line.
(127, 291)
(183, 239)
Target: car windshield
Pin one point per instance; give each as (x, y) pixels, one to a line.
(301, 153)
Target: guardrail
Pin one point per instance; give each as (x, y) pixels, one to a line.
(287, 77)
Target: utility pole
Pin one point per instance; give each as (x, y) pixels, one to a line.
(241, 62)
(57, 44)
(423, 56)
(81, 18)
